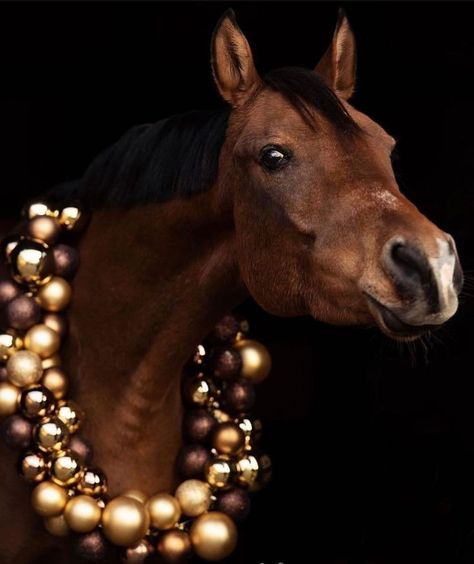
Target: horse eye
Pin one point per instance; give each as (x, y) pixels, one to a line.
(273, 157)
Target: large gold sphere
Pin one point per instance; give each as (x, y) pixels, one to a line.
(54, 379)
(44, 228)
(10, 343)
(32, 262)
(137, 495)
(256, 360)
(70, 414)
(228, 438)
(194, 497)
(42, 340)
(82, 514)
(164, 511)
(24, 368)
(55, 295)
(33, 466)
(56, 526)
(65, 468)
(219, 473)
(9, 398)
(92, 483)
(213, 536)
(49, 499)
(125, 521)
(51, 435)
(174, 546)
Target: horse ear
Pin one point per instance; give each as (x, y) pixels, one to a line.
(338, 64)
(232, 62)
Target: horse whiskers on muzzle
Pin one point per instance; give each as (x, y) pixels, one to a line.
(426, 287)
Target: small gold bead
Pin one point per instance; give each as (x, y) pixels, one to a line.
(213, 536)
(24, 368)
(49, 499)
(56, 526)
(10, 343)
(137, 495)
(82, 514)
(51, 362)
(66, 468)
(256, 360)
(125, 521)
(33, 466)
(9, 398)
(54, 378)
(194, 497)
(51, 435)
(70, 414)
(93, 483)
(174, 546)
(219, 473)
(164, 511)
(44, 228)
(55, 295)
(42, 340)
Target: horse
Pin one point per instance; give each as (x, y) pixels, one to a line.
(287, 195)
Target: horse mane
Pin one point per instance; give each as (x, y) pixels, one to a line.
(178, 157)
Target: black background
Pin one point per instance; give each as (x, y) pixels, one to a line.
(372, 443)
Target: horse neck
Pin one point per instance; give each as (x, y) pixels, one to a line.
(153, 281)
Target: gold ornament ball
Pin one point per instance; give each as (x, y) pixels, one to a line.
(125, 521)
(82, 514)
(38, 209)
(32, 262)
(253, 470)
(137, 495)
(256, 360)
(10, 343)
(228, 438)
(219, 473)
(54, 379)
(49, 499)
(66, 468)
(55, 295)
(51, 435)
(213, 536)
(56, 526)
(72, 218)
(24, 368)
(42, 340)
(50, 362)
(33, 466)
(174, 546)
(138, 553)
(9, 398)
(70, 414)
(164, 511)
(92, 483)
(44, 228)
(194, 497)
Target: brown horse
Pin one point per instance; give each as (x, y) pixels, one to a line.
(289, 196)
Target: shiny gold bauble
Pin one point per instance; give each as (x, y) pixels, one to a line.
(125, 521)
(164, 511)
(38, 209)
(253, 470)
(42, 340)
(198, 391)
(55, 295)
(82, 514)
(138, 553)
(221, 416)
(49, 499)
(72, 218)
(70, 414)
(256, 360)
(56, 526)
(228, 438)
(10, 343)
(92, 482)
(54, 379)
(194, 497)
(33, 466)
(9, 398)
(32, 262)
(37, 402)
(137, 495)
(44, 228)
(50, 362)
(174, 546)
(24, 368)
(213, 536)
(8, 244)
(65, 468)
(219, 473)
(51, 435)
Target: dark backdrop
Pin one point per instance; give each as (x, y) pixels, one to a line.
(373, 444)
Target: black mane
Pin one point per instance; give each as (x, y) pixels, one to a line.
(178, 157)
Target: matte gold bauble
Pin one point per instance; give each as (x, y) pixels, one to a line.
(54, 379)
(33, 466)
(136, 494)
(44, 228)
(24, 368)
(49, 499)
(42, 340)
(125, 521)
(164, 511)
(9, 398)
(32, 262)
(174, 546)
(219, 473)
(65, 468)
(194, 497)
(56, 526)
(70, 414)
(92, 482)
(82, 514)
(51, 435)
(228, 438)
(256, 360)
(10, 343)
(138, 553)
(55, 295)
(213, 536)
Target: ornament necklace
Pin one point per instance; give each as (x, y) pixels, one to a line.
(219, 462)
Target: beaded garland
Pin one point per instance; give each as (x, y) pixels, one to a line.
(219, 461)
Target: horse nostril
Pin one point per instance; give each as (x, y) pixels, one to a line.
(409, 262)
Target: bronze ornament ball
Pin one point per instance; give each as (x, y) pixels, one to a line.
(213, 536)
(22, 312)
(66, 261)
(8, 291)
(16, 432)
(198, 425)
(228, 438)
(24, 368)
(137, 554)
(235, 503)
(32, 262)
(192, 461)
(239, 396)
(125, 521)
(37, 402)
(44, 228)
(174, 546)
(225, 363)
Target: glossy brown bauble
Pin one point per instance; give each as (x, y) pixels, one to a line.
(23, 312)
(239, 396)
(225, 363)
(225, 330)
(66, 261)
(235, 503)
(198, 425)
(82, 447)
(192, 461)
(16, 432)
(95, 548)
(51, 435)
(220, 473)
